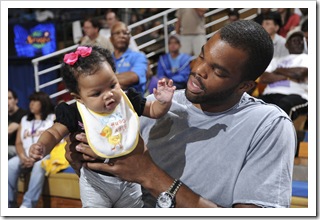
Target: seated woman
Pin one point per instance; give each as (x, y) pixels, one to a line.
(39, 118)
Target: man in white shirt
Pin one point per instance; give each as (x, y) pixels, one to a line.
(111, 19)
(287, 77)
(271, 23)
(92, 37)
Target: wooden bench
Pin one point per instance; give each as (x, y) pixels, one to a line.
(60, 190)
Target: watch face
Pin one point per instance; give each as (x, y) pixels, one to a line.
(165, 200)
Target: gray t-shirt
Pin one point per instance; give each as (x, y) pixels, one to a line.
(242, 155)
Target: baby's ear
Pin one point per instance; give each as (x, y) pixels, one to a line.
(76, 97)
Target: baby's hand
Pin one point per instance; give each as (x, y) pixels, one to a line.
(36, 151)
(164, 92)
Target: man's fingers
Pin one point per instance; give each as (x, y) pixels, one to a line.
(87, 152)
(105, 167)
(82, 137)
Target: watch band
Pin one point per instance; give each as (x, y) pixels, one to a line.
(174, 187)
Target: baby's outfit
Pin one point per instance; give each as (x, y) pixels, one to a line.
(109, 135)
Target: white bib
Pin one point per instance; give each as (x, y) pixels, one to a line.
(111, 135)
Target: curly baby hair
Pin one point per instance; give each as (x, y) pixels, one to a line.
(86, 60)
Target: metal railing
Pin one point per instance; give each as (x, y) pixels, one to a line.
(165, 25)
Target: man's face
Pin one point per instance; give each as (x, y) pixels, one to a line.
(12, 102)
(120, 36)
(270, 26)
(89, 30)
(111, 19)
(295, 44)
(174, 45)
(216, 73)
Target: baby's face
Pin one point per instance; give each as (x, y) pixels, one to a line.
(100, 92)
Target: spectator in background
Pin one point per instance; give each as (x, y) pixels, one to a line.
(289, 20)
(32, 125)
(190, 27)
(304, 29)
(92, 37)
(233, 15)
(264, 12)
(172, 65)
(287, 77)
(111, 19)
(272, 23)
(131, 66)
(304, 15)
(15, 113)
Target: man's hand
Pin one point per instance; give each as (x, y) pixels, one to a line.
(74, 157)
(132, 167)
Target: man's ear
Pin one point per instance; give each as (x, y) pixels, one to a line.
(247, 86)
(76, 97)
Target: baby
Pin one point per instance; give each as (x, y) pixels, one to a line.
(109, 118)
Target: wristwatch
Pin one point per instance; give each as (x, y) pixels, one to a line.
(167, 199)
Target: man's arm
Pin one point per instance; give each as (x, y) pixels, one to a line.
(270, 77)
(137, 73)
(201, 11)
(13, 126)
(139, 167)
(127, 79)
(298, 74)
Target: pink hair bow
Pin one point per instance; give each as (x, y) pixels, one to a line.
(71, 58)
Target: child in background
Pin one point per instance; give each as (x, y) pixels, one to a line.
(110, 119)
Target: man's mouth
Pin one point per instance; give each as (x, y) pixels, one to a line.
(194, 85)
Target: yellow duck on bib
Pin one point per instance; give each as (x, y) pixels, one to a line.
(113, 139)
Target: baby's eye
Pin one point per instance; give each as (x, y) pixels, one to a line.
(113, 86)
(96, 94)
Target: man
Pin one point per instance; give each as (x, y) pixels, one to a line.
(272, 23)
(172, 65)
(191, 26)
(233, 15)
(265, 12)
(91, 29)
(287, 77)
(15, 113)
(131, 66)
(111, 19)
(226, 147)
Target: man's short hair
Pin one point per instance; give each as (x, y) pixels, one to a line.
(252, 38)
(275, 17)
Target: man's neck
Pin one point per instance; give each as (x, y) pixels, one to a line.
(93, 37)
(14, 110)
(219, 107)
(272, 36)
(174, 54)
(119, 52)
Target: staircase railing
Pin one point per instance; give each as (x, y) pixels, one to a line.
(166, 23)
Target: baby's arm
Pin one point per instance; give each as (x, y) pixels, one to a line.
(162, 104)
(47, 141)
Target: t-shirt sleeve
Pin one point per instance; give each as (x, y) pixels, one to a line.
(137, 100)
(66, 115)
(265, 179)
(140, 66)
